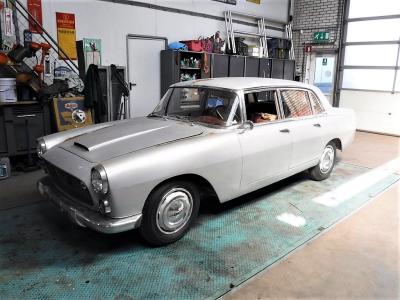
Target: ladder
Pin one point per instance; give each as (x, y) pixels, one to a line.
(289, 36)
(261, 34)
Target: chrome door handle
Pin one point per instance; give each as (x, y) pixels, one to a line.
(284, 130)
(317, 125)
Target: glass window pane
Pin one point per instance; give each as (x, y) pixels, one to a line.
(316, 105)
(295, 104)
(376, 30)
(370, 8)
(324, 72)
(371, 55)
(368, 79)
(397, 88)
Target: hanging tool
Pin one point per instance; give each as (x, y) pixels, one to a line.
(125, 93)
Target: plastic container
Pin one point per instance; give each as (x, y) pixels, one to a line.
(8, 90)
(5, 168)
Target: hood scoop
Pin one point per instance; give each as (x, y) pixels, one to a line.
(81, 146)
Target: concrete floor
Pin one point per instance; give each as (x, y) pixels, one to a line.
(357, 258)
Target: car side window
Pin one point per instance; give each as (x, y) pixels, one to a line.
(295, 103)
(315, 103)
(261, 106)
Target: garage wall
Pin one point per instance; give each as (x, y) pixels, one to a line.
(111, 22)
(375, 111)
(311, 16)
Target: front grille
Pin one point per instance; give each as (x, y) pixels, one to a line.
(69, 184)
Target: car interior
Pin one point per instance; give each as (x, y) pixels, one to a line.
(261, 106)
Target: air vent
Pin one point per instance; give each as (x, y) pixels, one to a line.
(34, 109)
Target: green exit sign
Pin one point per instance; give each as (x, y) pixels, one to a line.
(321, 36)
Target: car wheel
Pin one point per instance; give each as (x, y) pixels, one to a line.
(169, 212)
(326, 163)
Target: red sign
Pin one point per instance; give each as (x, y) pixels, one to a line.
(35, 9)
(65, 20)
(307, 49)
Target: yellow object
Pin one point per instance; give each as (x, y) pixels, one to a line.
(70, 113)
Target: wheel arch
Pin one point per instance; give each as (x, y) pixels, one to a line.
(337, 142)
(205, 187)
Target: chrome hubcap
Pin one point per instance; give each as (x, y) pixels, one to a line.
(327, 159)
(174, 210)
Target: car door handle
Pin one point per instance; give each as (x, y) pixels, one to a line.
(284, 130)
(317, 125)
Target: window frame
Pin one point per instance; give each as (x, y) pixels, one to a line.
(323, 110)
(237, 104)
(259, 90)
(308, 99)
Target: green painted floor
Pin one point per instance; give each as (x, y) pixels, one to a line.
(43, 256)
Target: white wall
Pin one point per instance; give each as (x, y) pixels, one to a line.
(375, 111)
(111, 22)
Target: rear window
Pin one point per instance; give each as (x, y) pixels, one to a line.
(295, 103)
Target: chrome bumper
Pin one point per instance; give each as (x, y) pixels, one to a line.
(83, 216)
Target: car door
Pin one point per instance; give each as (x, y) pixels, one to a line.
(266, 148)
(308, 129)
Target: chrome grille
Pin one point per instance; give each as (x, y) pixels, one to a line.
(69, 184)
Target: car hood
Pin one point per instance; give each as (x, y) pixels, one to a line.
(128, 136)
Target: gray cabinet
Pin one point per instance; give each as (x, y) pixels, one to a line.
(265, 68)
(20, 125)
(236, 66)
(220, 65)
(223, 65)
(289, 69)
(277, 67)
(175, 67)
(252, 67)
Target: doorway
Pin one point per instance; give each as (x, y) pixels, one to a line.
(322, 72)
(143, 63)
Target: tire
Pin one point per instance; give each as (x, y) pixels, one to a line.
(326, 163)
(169, 212)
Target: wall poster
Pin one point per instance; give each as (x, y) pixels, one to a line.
(66, 35)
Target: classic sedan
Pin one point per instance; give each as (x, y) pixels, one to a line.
(220, 137)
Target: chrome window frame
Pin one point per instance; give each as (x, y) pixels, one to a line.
(230, 118)
(323, 110)
(302, 117)
(277, 104)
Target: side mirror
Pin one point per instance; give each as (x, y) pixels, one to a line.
(247, 125)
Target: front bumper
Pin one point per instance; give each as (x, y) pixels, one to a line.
(83, 216)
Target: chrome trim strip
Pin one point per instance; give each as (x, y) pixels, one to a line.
(83, 216)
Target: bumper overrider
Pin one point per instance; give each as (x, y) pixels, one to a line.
(83, 216)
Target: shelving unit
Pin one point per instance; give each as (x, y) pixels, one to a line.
(261, 34)
(222, 65)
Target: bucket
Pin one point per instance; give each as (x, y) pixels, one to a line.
(8, 91)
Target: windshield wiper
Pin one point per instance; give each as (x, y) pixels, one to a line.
(154, 115)
(179, 117)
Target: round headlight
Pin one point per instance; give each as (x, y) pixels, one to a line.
(41, 147)
(99, 180)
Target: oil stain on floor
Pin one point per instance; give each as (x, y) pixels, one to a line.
(42, 255)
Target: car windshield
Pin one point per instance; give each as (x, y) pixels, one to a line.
(198, 104)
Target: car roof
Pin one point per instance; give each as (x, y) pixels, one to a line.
(241, 83)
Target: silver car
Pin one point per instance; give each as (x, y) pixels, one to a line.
(220, 137)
